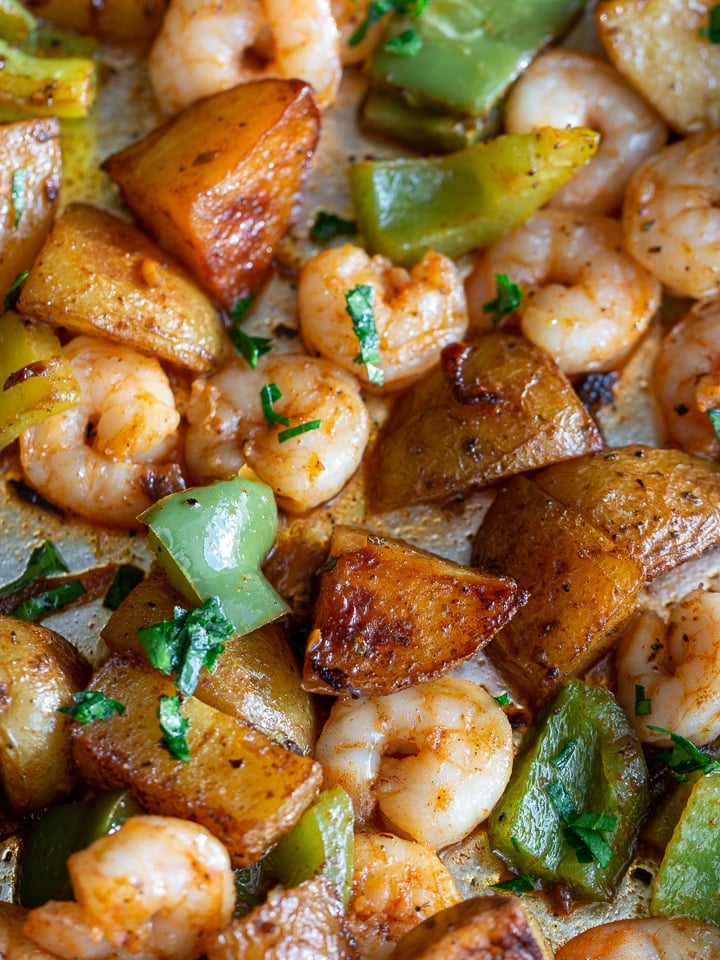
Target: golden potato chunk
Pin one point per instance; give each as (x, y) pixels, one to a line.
(219, 184)
(389, 615)
(98, 274)
(136, 20)
(244, 788)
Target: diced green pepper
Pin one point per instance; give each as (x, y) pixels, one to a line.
(659, 826)
(61, 831)
(466, 199)
(46, 86)
(688, 881)
(16, 22)
(211, 541)
(579, 788)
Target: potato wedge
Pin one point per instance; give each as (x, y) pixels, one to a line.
(218, 185)
(244, 788)
(494, 407)
(657, 45)
(30, 176)
(136, 20)
(389, 615)
(39, 672)
(98, 274)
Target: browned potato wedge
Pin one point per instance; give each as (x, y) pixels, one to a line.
(244, 788)
(219, 184)
(39, 672)
(489, 927)
(495, 407)
(389, 615)
(136, 20)
(256, 679)
(98, 274)
(658, 46)
(32, 146)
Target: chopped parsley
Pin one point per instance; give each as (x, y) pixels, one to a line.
(405, 44)
(503, 699)
(240, 309)
(685, 757)
(714, 416)
(35, 608)
(252, 348)
(11, 297)
(523, 884)
(44, 561)
(377, 9)
(269, 395)
(643, 705)
(712, 31)
(359, 306)
(299, 429)
(328, 225)
(509, 297)
(91, 705)
(125, 580)
(583, 831)
(560, 759)
(174, 727)
(18, 193)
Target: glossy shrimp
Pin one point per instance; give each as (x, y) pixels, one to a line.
(229, 426)
(678, 664)
(585, 300)
(671, 215)
(350, 15)
(110, 457)
(434, 758)
(567, 88)
(206, 46)
(656, 938)
(158, 888)
(416, 312)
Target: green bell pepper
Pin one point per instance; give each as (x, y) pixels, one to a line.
(46, 86)
(16, 22)
(466, 199)
(577, 794)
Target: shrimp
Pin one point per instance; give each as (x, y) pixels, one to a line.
(106, 459)
(396, 885)
(417, 313)
(435, 758)
(206, 46)
(656, 938)
(14, 945)
(158, 887)
(678, 664)
(585, 300)
(566, 88)
(349, 15)
(687, 379)
(229, 428)
(671, 215)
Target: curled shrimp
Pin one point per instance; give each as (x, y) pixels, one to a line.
(206, 46)
(228, 427)
(396, 885)
(106, 458)
(349, 15)
(585, 301)
(678, 664)
(671, 215)
(158, 887)
(655, 938)
(435, 758)
(687, 379)
(564, 88)
(417, 312)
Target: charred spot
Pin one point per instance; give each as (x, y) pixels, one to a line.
(32, 497)
(39, 368)
(452, 362)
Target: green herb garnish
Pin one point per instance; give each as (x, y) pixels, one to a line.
(377, 9)
(35, 608)
(405, 44)
(252, 348)
(582, 830)
(300, 428)
(18, 192)
(359, 306)
(712, 31)
(13, 294)
(91, 705)
(643, 706)
(714, 416)
(685, 757)
(509, 297)
(560, 759)
(523, 884)
(240, 309)
(269, 394)
(503, 699)
(44, 561)
(174, 726)
(125, 580)
(328, 225)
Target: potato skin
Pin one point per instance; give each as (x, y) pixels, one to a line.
(135, 20)
(219, 184)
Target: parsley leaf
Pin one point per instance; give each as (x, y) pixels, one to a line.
(91, 705)
(125, 580)
(328, 225)
(252, 348)
(44, 561)
(685, 757)
(377, 9)
(359, 307)
(11, 297)
(582, 830)
(268, 396)
(509, 297)
(405, 44)
(503, 700)
(18, 190)
(712, 31)
(643, 706)
(714, 416)
(174, 726)
(300, 428)
(523, 884)
(36, 607)
(240, 309)
(560, 759)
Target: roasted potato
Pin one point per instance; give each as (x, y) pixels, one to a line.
(244, 788)
(39, 672)
(494, 407)
(136, 20)
(389, 615)
(98, 274)
(218, 185)
(30, 176)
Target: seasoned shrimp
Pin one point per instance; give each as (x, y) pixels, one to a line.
(566, 88)
(671, 215)
(435, 758)
(206, 46)
(349, 15)
(656, 938)
(159, 887)
(228, 427)
(107, 458)
(687, 379)
(678, 664)
(585, 300)
(417, 313)
(396, 885)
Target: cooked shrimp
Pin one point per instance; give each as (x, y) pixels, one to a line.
(678, 664)
(159, 887)
(206, 46)
(656, 938)
(585, 300)
(107, 458)
(349, 15)
(417, 313)
(687, 379)
(14, 945)
(435, 758)
(396, 885)
(671, 215)
(228, 428)
(566, 88)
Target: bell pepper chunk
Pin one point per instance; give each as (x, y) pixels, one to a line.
(16, 22)
(465, 199)
(46, 86)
